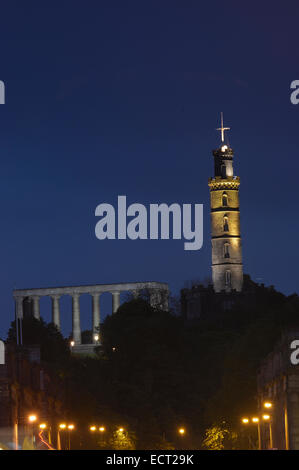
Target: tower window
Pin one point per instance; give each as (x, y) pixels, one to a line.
(223, 171)
(228, 279)
(224, 199)
(225, 224)
(226, 250)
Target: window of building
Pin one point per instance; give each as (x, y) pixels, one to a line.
(227, 278)
(224, 199)
(225, 224)
(223, 171)
(226, 250)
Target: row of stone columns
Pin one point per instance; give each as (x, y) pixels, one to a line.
(75, 311)
(155, 299)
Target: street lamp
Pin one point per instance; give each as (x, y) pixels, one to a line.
(102, 429)
(61, 427)
(92, 428)
(182, 431)
(245, 420)
(256, 420)
(268, 404)
(32, 418)
(70, 428)
(267, 417)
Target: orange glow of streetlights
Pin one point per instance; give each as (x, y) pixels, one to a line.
(102, 429)
(43, 426)
(32, 418)
(245, 420)
(266, 417)
(92, 428)
(268, 404)
(182, 431)
(71, 427)
(62, 426)
(255, 420)
(120, 429)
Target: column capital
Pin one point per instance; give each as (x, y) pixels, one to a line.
(95, 294)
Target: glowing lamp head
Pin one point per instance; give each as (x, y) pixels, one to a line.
(266, 417)
(43, 426)
(121, 430)
(182, 431)
(71, 427)
(223, 148)
(96, 337)
(32, 418)
(62, 426)
(268, 404)
(255, 420)
(92, 428)
(102, 429)
(72, 343)
(245, 420)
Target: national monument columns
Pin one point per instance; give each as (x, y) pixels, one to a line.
(158, 298)
(76, 319)
(56, 310)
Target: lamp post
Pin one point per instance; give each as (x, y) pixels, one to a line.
(61, 427)
(32, 418)
(268, 419)
(181, 431)
(70, 428)
(256, 420)
(269, 405)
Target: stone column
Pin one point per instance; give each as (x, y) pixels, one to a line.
(19, 306)
(56, 310)
(36, 313)
(95, 316)
(76, 319)
(115, 301)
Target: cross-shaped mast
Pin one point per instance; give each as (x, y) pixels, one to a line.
(222, 129)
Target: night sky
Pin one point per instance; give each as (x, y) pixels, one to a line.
(123, 98)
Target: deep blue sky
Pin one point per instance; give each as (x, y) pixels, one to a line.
(111, 98)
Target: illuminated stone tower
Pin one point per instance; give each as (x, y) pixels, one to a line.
(227, 267)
